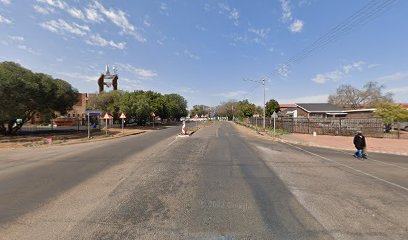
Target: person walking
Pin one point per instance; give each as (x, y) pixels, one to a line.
(360, 144)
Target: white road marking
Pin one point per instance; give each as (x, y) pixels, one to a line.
(370, 158)
(172, 142)
(347, 166)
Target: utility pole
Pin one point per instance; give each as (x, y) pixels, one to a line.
(264, 105)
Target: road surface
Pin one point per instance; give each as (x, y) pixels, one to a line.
(224, 182)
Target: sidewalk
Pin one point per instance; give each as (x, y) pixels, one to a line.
(380, 145)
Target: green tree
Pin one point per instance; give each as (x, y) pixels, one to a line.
(259, 110)
(157, 103)
(176, 106)
(391, 113)
(24, 93)
(271, 106)
(107, 102)
(245, 108)
(137, 106)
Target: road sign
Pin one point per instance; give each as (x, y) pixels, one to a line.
(93, 112)
(122, 115)
(274, 115)
(106, 116)
(154, 115)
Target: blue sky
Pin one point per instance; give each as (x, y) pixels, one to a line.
(204, 49)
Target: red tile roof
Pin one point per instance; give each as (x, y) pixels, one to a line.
(287, 105)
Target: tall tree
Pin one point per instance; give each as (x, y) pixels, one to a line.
(347, 96)
(107, 102)
(271, 106)
(391, 113)
(200, 110)
(245, 108)
(137, 106)
(228, 109)
(24, 93)
(176, 106)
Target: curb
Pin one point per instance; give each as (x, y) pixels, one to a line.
(344, 149)
(316, 145)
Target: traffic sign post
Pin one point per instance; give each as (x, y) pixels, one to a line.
(88, 114)
(274, 115)
(89, 129)
(154, 115)
(123, 117)
(106, 117)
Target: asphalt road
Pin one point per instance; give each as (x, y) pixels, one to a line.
(224, 182)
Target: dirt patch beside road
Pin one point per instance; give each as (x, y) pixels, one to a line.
(44, 140)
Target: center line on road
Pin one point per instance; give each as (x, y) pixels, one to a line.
(347, 166)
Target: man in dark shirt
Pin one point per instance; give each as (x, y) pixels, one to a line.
(360, 144)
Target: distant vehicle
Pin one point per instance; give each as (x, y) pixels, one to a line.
(401, 126)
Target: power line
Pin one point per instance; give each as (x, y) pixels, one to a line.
(367, 13)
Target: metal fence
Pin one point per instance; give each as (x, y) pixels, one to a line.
(371, 127)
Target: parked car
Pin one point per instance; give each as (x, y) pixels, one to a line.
(401, 126)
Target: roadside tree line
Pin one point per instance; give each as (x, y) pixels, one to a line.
(24, 93)
(140, 105)
(244, 109)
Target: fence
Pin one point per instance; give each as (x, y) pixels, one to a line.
(371, 127)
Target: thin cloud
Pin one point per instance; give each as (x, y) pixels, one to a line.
(398, 90)
(201, 28)
(43, 10)
(394, 77)
(120, 19)
(93, 15)
(61, 26)
(338, 74)
(17, 38)
(76, 13)
(78, 76)
(191, 55)
(146, 23)
(164, 9)
(138, 72)
(187, 90)
(296, 26)
(321, 98)
(232, 94)
(260, 32)
(54, 3)
(27, 49)
(6, 2)
(232, 13)
(5, 20)
(286, 11)
(97, 40)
